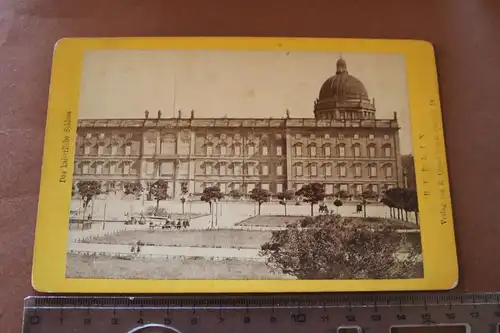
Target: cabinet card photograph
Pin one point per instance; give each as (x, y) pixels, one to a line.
(243, 164)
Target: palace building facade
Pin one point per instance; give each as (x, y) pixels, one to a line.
(345, 147)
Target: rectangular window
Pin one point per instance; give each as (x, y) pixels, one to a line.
(279, 188)
(98, 168)
(342, 171)
(126, 168)
(208, 169)
(86, 149)
(264, 150)
(373, 171)
(387, 151)
(236, 186)
(209, 150)
(237, 170)
(279, 170)
(386, 137)
(265, 186)
(328, 151)
(149, 168)
(298, 150)
(250, 170)
(112, 168)
(167, 168)
(100, 149)
(85, 168)
(313, 170)
(388, 171)
(313, 150)
(356, 136)
(223, 150)
(341, 151)
(371, 151)
(371, 136)
(359, 189)
(329, 189)
(375, 188)
(114, 149)
(357, 170)
(356, 151)
(328, 170)
(237, 150)
(222, 169)
(250, 187)
(251, 150)
(128, 149)
(298, 187)
(223, 187)
(279, 151)
(298, 170)
(265, 170)
(343, 187)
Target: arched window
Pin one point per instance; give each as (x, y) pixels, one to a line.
(237, 149)
(223, 149)
(251, 149)
(372, 170)
(264, 150)
(342, 170)
(356, 150)
(387, 150)
(328, 169)
(298, 169)
(298, 149)
(341, 150)
(312, 150)
(209, 149)
(371, 150)
(327, 150)
(357, 170)
(388, 170)
(313, 169)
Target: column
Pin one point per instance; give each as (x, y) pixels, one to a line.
(192, 160)
(289, 148)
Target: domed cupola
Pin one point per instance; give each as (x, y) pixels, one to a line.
(343, 96)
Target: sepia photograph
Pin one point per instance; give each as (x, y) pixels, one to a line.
(247, 165)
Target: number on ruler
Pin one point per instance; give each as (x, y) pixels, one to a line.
(350, 318)
(376, 317)
(474, 314)
(450, 316)
(246, 320)
(114, 321)
(401, 317)
(167, 321)
(87, 321)
(299, 318)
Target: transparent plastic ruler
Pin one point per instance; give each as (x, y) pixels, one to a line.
(396, 313)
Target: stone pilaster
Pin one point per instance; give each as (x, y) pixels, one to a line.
(192, 161)
(289, 152)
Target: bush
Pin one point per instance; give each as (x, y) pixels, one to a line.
(160, 212)
(330, 247)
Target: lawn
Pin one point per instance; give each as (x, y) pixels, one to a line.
(206, 238)
(270, 221)
(78, 266)
(281, 221)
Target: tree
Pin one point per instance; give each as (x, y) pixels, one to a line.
(159, 191)
(368, 194)
(235, 194)
(394, 198)
(312, 194)
(87, 190)
(333, 247)
(284, 197)
(410, 202)
(342, 194)
(260, 196)
(133, 188)
(337, 204)
(184, 192)
(211, 194)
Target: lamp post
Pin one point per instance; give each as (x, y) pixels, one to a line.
(190, 200)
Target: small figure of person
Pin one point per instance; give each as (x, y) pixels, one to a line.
(132, 249)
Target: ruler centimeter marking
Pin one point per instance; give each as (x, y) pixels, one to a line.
(263, 314)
